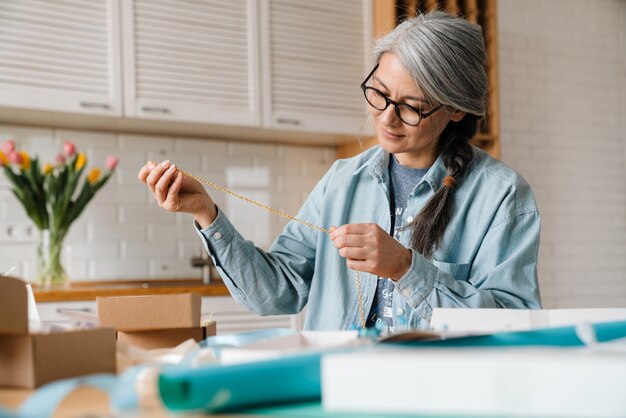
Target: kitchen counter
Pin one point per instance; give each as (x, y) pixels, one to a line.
(80, 291)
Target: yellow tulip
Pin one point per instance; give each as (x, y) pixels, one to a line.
(47, 169)
(25, 164)
(3, 159)
(80, 161)
(93, 176)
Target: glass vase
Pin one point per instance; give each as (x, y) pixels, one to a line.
(50, 271)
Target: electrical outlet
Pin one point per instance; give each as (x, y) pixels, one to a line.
(18, 233)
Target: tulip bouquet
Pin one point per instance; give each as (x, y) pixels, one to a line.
(53, 196)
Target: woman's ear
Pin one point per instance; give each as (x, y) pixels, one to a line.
(457, 115)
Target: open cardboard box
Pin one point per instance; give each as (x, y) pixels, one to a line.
(31, 359)
(155, 321)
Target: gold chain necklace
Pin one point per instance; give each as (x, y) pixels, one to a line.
(284, 215)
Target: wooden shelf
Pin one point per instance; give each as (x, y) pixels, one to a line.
(78, 291)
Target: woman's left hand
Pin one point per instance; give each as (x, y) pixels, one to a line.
(368, 248)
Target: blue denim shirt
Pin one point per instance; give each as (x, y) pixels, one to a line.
(488, 258)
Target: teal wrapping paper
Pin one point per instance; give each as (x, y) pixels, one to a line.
(220, 388)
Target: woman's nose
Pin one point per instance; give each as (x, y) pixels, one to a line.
(388, 116)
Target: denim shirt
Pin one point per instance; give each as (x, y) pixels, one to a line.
(488, 256)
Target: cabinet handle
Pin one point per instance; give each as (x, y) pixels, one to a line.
(155, 109)
(94, 105)
(288, 121)
(63, 310)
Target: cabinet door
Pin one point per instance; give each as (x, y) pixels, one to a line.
(231, 317)
(317, 55)
(191, 61)
(60, 56)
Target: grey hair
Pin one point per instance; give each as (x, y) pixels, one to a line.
(446, 57)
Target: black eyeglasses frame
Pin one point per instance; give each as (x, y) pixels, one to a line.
(395, 104)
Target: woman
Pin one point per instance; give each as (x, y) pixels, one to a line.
(427, 219)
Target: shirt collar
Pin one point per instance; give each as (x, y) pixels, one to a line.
(379, 162)
(434, 176)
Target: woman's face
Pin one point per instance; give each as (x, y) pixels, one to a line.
(414, 146)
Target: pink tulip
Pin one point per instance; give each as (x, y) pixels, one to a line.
(8, 146)
(69, 148)
(60, 159)
(111, 162)
(15, 157)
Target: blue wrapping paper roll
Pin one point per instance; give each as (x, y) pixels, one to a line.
(555, 337)
(220, 388)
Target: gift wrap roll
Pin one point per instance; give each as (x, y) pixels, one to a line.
(218, 388)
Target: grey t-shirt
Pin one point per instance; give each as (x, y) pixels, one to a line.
(402, 181)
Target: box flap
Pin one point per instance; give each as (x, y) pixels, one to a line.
(16, 361)
(143, 313)
(13, 306)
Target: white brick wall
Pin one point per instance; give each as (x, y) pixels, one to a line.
(562, 94)
(124, 234)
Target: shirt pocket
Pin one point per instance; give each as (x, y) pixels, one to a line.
(460, 271)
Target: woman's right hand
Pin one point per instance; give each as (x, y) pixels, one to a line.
(176, 192)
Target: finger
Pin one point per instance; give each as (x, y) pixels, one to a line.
(358, 265)
(359, 229)
(145, 170)
(155, 174)
(163, 185)
(342, 241)
(172, 195)
(338, 231)
(353, 253)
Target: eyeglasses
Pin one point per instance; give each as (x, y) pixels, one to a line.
(405, 112)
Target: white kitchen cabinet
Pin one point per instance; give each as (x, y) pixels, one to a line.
(229, 315)
(53, 311)
(232, 317)
(315, 53)
(61, 56)
(291, 65)
(192, 61)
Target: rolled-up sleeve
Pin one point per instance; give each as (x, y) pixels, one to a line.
(268, 282)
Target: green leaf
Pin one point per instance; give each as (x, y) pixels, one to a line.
(32, 214)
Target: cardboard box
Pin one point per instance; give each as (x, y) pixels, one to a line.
(31, 359)
(152, 312)
(13, 306)
(166, 338)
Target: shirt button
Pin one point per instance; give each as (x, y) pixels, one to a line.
(406, 293)
(217, 235)
(400, 311)
(409, 219)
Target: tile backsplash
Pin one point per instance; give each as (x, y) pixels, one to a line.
(123, 234)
